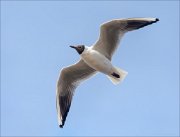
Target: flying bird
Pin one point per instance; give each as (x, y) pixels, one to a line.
(96, 58)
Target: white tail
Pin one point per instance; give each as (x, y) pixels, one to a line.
(122, 74)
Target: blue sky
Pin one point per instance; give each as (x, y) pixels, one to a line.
(35, 39)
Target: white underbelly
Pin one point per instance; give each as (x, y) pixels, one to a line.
(98, 62)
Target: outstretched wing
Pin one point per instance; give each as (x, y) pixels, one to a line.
(111, 33)
(70, 77)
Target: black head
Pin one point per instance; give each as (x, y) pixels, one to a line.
(79, 48)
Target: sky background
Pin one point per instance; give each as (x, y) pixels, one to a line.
(35, 39)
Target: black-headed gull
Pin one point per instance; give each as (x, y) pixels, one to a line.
(96, 58)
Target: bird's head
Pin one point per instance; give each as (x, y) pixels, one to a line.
(79, 48)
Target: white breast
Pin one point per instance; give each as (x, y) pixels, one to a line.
(97, 61)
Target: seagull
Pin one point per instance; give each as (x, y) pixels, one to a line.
(96, 58)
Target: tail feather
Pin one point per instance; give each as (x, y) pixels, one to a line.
(116, 80)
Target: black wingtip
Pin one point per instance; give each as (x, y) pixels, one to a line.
(61, 126)
(157, 19)
(148, 23)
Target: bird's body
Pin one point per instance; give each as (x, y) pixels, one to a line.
(97, 61)
(100, 63)
(96, 58)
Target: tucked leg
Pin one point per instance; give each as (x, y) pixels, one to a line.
(115, 75)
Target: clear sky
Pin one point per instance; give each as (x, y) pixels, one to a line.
(35, 39)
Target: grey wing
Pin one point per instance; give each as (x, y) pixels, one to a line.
(112, 31)
(70, 77)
